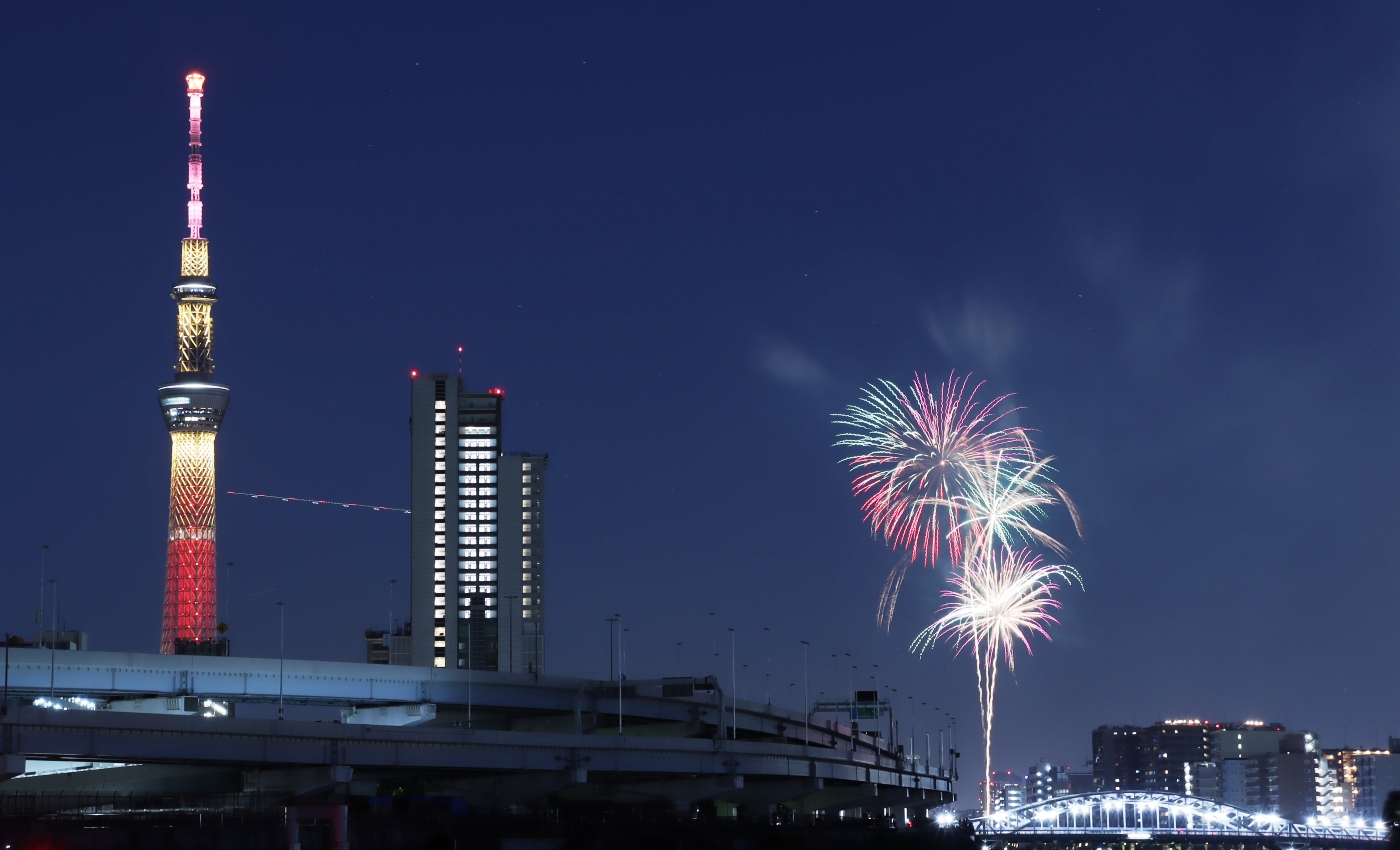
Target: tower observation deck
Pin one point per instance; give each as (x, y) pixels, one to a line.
(193, 406)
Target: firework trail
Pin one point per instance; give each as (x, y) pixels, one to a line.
(916, 452)
(998, 600)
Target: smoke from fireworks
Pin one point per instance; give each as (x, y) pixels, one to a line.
(918, 453)
(997, 600)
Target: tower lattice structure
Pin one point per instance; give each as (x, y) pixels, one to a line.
(193, 406)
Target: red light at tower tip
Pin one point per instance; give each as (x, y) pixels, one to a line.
(195, 81)
(413, 373)
(496, 391)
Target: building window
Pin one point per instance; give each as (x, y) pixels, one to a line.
(466, 491)
(439, 662)
(527, 589)
(440, 601)
(527, 613)
(466, 479)
(526, 515)
(490, 615)
(526, 540)
(525, 503)
(439, 491)
(525, 552)
(439, 588)
(439, 553)
(439, 526)
(526, 479)
(526, 491)
(525, 466)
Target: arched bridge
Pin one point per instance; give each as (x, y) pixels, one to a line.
(1149, 816)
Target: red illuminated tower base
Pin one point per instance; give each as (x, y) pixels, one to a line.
(193, 406)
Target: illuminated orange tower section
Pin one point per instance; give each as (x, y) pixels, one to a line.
(193, 406)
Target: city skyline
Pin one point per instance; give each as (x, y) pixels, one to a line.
(679, 241)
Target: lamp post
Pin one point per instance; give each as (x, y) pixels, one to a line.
(806, 697)
(53, 638)
(767, 663)
(281, 658)
(610, 621)
(618, 619)
(733, 690)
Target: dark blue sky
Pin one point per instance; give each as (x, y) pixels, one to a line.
(681, 237)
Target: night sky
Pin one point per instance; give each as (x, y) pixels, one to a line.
(681, 236)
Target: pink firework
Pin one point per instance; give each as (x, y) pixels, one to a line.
(918, 454)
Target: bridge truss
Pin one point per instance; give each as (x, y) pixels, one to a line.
(1146, 815)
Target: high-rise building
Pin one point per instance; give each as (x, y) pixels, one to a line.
(477, 591)
(193, 406)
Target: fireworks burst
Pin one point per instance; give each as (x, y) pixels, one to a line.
(934, 468)
(998, 600)
(916, 452)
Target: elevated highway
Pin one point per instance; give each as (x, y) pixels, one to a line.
(163, 724)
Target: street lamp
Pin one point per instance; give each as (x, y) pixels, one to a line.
(806, 697)
(53, 638)
(617, 618)
(281, 658)
(733, 690)
(610, 621)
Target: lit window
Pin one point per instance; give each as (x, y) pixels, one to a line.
(439, 526)
(439, 576)
(526, 564)
(467, 577)
(439, 588)
(439, 600)
(525, 466)
(469, 503)
(439, 491)
(491, 553)
(440, 405)
(477, 443)
(467, 541)
(528, 588)
(468, 588)
(439, 515)
(526, 479)
(526, 600)
(439, 553)
(525, 503)
(489, 601)
(439, 662)
(527, 613)
(440, 443)
(488, 503)
(525, 552)
(488, 479)
(490, 615)
(526, 490)
(526, 540)
(476, 455)
(488, 467)
(488, 491)
(478, 429)
(466, 491)
(489, 541)
(526, 576)
(466, 479)
(466, 553)
(465, 516)
(488, 577)
(466, 529)
(440, 503)
(527, 515)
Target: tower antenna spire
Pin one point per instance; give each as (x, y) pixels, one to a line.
(194, 84)
(460, 384)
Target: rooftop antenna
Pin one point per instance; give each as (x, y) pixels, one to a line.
(462, 386)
